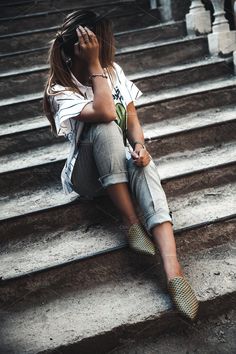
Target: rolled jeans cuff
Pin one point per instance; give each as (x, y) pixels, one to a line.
(158, 218)
(113, 178)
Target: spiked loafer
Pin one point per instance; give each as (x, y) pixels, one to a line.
(183, 297)
(139, 240)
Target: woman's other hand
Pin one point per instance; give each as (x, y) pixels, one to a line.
(141, 156)
(87, 47)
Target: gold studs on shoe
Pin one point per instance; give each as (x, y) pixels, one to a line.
(183, 297)
(139, 240)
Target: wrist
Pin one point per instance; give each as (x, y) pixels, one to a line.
(138, 145)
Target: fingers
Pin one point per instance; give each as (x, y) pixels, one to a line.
(143, 158)
(85, 35)
(91, 34)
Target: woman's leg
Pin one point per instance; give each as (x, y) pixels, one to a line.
(120, 195)
(164, 238)
(147, 190)
(110, 157)
(101, 168)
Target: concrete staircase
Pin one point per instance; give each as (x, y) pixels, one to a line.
(69, 283)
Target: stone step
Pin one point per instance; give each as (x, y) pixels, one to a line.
(93, 305)
(31, 8)
(21, 136)
(213, 334)
(34, 41)
(207, 167)
(149, 80)
(135, 58)
(44, 190)
(124, 15)
(151, 107)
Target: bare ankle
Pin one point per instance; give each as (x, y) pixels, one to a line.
(128, 221)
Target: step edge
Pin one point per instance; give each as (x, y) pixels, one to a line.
(222, 85)
(131, 50)
(120, 246)
(147, 139)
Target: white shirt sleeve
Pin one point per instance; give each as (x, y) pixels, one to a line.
(129, 90)
(67, 105)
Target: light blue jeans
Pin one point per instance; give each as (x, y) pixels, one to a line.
(104, 160)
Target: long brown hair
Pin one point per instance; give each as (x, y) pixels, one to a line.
(61, 53)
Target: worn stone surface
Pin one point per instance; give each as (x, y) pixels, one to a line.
(22, 8)
(22, 255)
(118, 287)
(69, 283)
(186, 49)
(123, 15)
(40, 39)
(215, 335)
(147, 81)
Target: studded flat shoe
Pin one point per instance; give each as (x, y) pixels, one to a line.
(183, 297)
(139, 240)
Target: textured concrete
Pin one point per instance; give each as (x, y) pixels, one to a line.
(142, 56)
(147, 81)
(22, 42)
(123, 15)
(69, 283)
(21, 8)
(104, 296)
(168, 102)
(159, 136)
(215, 334)
(30, 254)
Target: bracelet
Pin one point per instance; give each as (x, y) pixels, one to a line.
(95, 75)
(139, 142)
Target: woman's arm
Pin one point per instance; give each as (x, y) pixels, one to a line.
(102, 109)
(135, 133)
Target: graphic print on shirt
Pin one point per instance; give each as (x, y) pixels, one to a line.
(121, 113)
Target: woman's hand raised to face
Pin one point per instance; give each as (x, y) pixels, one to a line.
(87, 47)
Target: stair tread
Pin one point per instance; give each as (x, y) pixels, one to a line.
(39, 122)
(50, 30)
(67, 276)
(59, 151)
(135, 48)
(56, 246)
(151, 97)
(49, 196)
(82, 308)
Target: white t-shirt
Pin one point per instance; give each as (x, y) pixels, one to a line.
(67, 105)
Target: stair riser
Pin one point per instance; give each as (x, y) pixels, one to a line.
(109, 267)
(193, 139)
(28, 140)
(180, 106)
(185, 77)
(48, 175)
(147, 114)
(171, 54)
(35, 7)
(43, 136)
(105, 342)
(123, 16)
(132, 62)
(34, 82)
(208, 178)
(165, 109)
(39, 40)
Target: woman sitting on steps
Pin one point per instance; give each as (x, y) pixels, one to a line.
(89, 100)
